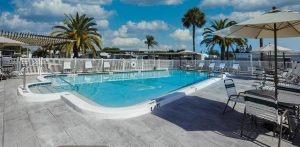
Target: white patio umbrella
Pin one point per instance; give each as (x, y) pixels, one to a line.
(273, 24)
(270, 49)
(9, 42)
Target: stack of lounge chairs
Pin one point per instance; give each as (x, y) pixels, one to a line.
(220, 68)
(288, 78)
(235, 68)
(213, 67)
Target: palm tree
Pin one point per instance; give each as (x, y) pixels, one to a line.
(80, 28)
(150, 42)
(210, 39)
(193, 17)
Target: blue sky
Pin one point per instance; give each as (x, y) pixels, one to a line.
(124, 23)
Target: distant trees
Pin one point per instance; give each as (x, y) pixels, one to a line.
(214, 52)
(111, 50)
(40, 52)
(150, 41)
(194, 17)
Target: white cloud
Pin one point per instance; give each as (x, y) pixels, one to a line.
(181, 46)
(148, 25)
(238, 16)
(59, 8)
(13, 22)
(102, 23)
(166, 46)
(153, 2)
(121, 32)
(214, 3)
(90, 2)
(182, 35)
(135, 27)
(126, 42)
(40, 15)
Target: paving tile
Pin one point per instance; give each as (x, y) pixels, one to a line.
(192, 121)
(83, 135)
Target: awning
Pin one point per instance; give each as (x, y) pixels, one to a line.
(34, 39)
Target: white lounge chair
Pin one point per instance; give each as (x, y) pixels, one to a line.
(201, 66)
(67, 66)
(211, 66)
(106, 65)
(88, 66)
(236, 68)
(189, 67)
(221, 67)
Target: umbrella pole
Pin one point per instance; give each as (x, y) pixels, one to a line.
(275, 57)
(269, 54)
(180, 61)
(283, 60)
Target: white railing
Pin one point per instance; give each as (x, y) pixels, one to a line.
(38, 66)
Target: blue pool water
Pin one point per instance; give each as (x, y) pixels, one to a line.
(125, 89)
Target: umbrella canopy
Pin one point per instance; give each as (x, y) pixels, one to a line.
(270, 48)
(286, 24)
(9, 42)
(269, 25)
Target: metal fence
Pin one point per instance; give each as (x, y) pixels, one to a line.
(38, 66)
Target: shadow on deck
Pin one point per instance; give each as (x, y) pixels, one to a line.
(193, 113)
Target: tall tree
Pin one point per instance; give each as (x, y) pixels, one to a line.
(196, 18)
(210, 39)
(81, 29)
(150, 42)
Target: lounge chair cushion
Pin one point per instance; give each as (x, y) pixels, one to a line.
(88, 65)
(106, 65)
(67, 65)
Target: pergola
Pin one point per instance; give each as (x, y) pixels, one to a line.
(34, 39)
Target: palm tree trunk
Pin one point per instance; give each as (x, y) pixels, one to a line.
(194, 28)
(148, 51)
(75, 51)
(222, 53)
(261, 44)
(227, 53)
(234, 53)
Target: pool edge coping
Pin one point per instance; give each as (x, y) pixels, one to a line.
(88, 108)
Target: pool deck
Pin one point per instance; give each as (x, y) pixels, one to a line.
(192, 121)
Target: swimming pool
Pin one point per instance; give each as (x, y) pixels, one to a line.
(122, 89)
